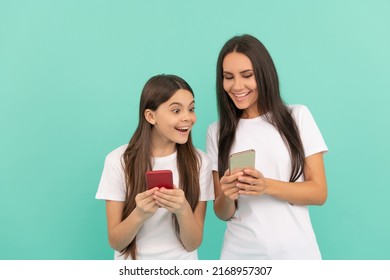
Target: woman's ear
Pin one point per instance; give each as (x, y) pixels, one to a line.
(149, 116)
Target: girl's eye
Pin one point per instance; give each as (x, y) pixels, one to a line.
(248, 76)
(175, 111)
(192, 109)
(228, 77)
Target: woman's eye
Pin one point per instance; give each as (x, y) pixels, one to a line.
(248, 76)
(192, 109)
(175, 111)
(228, 77)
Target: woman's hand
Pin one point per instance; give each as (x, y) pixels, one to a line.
(251, 182)
(229, 186)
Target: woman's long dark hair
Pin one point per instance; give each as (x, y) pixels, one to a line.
(269, 101)
(137, 158)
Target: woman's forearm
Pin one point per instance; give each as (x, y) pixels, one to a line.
(298, 193)
(224, 208)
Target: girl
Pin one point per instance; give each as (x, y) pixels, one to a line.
(266, 207)
(158, 223)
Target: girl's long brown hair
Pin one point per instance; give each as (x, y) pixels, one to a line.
(269, 101)
(137, 157)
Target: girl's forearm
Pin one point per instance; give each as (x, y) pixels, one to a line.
(191, 228)
(122, 235)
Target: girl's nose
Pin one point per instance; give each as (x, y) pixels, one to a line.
(185, 115)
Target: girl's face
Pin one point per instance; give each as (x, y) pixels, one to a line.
(173, 120)
(240, 83)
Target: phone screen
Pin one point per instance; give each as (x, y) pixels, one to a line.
(241, 160)
(159, 178)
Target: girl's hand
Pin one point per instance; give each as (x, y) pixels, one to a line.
(252, 182)
(229, 185)
(145, 204)
(171, 199)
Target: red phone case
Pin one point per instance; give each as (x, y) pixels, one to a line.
(159, 178)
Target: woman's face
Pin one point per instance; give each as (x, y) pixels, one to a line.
(240, 83)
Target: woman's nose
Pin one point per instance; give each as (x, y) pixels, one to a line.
(238, 84)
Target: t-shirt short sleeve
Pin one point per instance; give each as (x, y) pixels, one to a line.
(212, 145)
(112, 183)
(311, 136)
(206, 178)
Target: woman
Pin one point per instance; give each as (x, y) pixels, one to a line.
(265, 207)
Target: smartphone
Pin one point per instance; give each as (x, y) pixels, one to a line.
(159, 178)
(241, 160)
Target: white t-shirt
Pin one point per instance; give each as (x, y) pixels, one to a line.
(157, 238)
(264, 227)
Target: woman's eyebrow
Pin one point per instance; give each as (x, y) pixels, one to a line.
(242, 72)
(247, 70)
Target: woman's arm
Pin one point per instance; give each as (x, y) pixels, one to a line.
(190, 223)
(121, 233)
(226, 193)
(313, 191)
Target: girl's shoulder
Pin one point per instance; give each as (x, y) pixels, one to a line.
(201, 154)
(117, 153)
(204, 160)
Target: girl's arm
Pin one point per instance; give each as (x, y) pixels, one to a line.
(121, 233)
(190, 223)
(313, 191)
(191, 226)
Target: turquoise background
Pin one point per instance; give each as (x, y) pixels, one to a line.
(71, 73)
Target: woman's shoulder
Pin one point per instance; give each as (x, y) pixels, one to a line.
(213, 128)
(297, 107)
(298, 110)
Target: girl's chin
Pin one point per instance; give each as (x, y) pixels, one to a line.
(181, 140)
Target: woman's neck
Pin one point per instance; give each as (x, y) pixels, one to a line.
(250, 114)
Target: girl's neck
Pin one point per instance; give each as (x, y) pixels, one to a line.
(163, 149)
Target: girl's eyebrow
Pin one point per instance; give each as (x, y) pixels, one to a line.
(179, 104)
